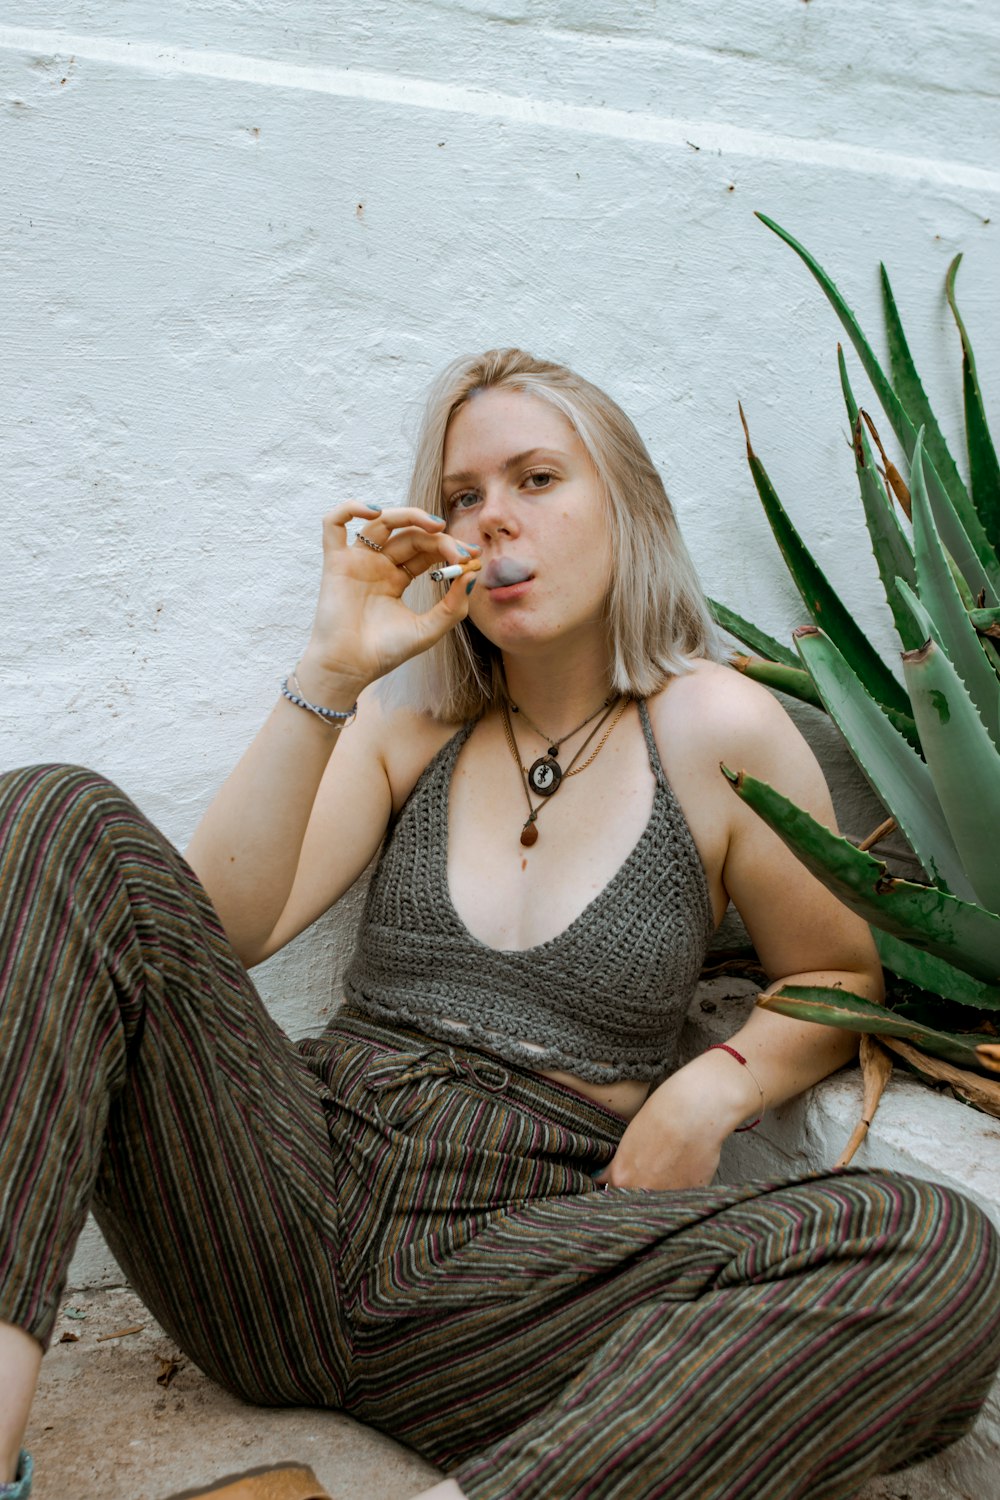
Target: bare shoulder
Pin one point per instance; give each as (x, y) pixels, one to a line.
(714, 704)
(713, 713)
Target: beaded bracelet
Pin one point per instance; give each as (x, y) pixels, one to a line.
(725, 1047)
(335, 717)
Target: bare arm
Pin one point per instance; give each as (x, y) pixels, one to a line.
(802, 934)
(307, 805)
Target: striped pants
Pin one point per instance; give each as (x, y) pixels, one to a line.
(409, 1231)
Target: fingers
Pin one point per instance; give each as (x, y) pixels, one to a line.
(379, 523)
(448, 611)
(335, 521)
(390, 518)
(366, 574)
(411, 539)
(417, 553)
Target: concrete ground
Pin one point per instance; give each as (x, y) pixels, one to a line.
(121, 1416)
(126, 1418)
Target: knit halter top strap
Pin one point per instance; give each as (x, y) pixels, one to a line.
(604, 999)
(654, 754)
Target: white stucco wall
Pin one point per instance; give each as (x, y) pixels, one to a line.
(238, 238)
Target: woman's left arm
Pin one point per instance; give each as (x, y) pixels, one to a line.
(802, 934)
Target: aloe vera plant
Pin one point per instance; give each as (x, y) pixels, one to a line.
(929, 746)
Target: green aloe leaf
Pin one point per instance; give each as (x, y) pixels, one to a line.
(793, 681)
(823, 602)
(895, 770)
(963, 762)
(965, 551)
(932, 631)
(964, 934)
(964, 592)
(890, 545)
(941, 611)
(959, 524)
(751, 635)
(904, 724)
(986, 620)
(891, 404)
(854, 1013)
(932, 973)
(984, 468)
(987, 624)
(910, 391)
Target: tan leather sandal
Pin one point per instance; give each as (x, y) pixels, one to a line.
(287, 1482)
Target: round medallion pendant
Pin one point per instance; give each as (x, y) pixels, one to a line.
(545, 775)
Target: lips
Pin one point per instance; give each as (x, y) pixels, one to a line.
(504, 572)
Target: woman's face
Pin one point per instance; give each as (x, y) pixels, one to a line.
(519, 482)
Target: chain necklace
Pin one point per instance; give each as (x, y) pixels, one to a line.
(548, 782)
(545, 773)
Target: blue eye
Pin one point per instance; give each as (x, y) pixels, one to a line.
(458, 502)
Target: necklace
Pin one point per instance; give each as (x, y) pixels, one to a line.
(545, 773)
(529, 832)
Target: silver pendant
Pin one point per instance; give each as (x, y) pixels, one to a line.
(544, 775)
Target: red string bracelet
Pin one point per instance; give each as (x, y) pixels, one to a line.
(725, 1047)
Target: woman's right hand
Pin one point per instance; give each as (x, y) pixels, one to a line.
(362, 628)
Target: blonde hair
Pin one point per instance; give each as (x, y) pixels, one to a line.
(656, 612)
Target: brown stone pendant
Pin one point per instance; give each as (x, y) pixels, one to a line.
(529, 834)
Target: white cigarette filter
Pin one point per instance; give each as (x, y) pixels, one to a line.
(445, 575)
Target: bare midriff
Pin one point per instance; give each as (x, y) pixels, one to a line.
(625, 1098)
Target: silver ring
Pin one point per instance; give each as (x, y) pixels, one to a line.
(375, 546)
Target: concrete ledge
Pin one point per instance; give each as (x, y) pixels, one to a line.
(916, 1129)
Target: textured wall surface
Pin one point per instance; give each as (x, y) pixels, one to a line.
(238, 238)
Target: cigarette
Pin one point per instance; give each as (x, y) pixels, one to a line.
(445, 575)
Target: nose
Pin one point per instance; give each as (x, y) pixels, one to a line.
(497, 514)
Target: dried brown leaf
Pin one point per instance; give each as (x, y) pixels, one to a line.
(874, 432)
(897, 484)
(121, 1333)
(859, 447)
(168, 1369)
(69, 1338)
(982, 1092)
(890, 473)
(876, 1070)
(878, 834)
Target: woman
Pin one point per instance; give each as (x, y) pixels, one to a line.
(465, 1214)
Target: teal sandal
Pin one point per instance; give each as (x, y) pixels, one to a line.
(20, 1488)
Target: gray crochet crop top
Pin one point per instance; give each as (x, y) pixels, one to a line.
(615, 985)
